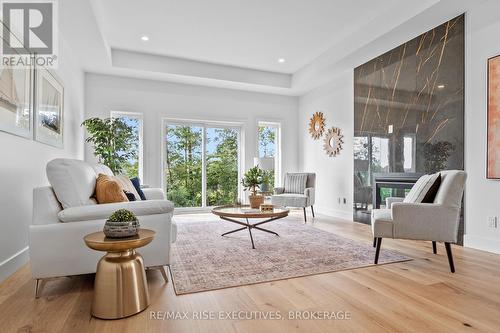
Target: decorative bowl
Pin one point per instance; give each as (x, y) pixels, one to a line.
(121, 229)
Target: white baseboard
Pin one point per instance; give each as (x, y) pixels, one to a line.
(482, 243)
(12, 264)
(337, 213)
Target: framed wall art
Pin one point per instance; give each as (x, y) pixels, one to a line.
(493, 121)
(49, 108)
(16, 108)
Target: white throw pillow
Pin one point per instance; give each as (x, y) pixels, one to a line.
(127, 185)
(101, 168)
(73, 182)
(423, 185)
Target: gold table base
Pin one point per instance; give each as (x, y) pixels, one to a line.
(120, 287)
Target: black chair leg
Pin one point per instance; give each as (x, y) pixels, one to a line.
(374, 241)
(312, 210)
(450, 256)
(434, 248)
(305, 217)
(377, 250)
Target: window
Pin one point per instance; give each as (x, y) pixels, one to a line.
(134, 166)
(201, 163)
(269, 151)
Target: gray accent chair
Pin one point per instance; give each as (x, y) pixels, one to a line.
(436, 222)
(303, 200)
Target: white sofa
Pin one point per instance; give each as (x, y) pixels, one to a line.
(64, 213)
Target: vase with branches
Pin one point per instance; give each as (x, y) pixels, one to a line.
(113, 141)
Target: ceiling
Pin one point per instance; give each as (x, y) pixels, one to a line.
(243, 33)
(236, 44)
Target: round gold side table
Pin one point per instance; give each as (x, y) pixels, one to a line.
(120, 287)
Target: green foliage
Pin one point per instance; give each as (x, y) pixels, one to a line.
(267, 138)
(114, 142)
(184, 165)
(252, 179)
(222, 169)
(436, 156)
(122, 215)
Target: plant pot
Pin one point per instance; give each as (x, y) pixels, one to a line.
(256, 200)
(121, 229)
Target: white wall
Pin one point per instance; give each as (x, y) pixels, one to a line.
(157, 100)
(482, 196)
(334, 174)
(336, 101)
(22, 166)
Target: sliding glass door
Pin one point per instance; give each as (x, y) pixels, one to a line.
(221, 166)
(183, 165)
(201, 163)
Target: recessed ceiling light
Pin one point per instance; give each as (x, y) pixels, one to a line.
(145, 38)
(441, 86)
(281, 60)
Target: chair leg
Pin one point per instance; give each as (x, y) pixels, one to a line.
(305, 217)
(450, 256)
(434, 248)
(377, 250)
(312, 210)
(38, 287)
(374, 241)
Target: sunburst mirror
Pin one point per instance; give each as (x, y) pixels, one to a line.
(317, 125)
(333, 141)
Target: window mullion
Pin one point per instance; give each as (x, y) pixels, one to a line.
(204, 167)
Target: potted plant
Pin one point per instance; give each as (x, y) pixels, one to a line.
(122, 223)
(251, 182)
(266, 180)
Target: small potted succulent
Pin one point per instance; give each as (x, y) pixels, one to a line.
(251, 182)
(122, 223)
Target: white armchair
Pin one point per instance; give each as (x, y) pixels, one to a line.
(287, 198)
(56, 234)
(436, 222)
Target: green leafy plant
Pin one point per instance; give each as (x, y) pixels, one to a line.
(252, 179)
(122, 215)
(113, 141)
(436, 156)
(267, 176)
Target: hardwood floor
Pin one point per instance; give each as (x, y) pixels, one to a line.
(420, 295)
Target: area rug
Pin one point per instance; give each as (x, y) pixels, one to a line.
(202, 260)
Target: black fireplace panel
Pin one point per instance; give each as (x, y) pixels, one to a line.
(409, 112)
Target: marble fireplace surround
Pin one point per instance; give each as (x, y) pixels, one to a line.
(409, 110)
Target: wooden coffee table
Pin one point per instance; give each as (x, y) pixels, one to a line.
(120, 287)
(231, 213)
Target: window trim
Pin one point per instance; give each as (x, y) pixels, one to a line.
(204, 124)
(140, 117)
(277, 162)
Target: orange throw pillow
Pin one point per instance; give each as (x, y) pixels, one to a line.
(108, 190)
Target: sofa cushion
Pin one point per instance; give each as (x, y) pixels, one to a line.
(73, 181)
(289, 200)
(424, 190)
(109, 190)
(100, 212)
(127, 185)
(295, 183)
(137, 184)
(101, 168)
